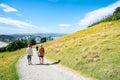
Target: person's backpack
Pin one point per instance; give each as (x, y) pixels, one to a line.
(41, 51)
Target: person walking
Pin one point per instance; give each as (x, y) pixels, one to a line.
(37, 50)
(41, 54)
(29, 53)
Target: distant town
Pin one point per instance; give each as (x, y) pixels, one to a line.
(37, 37)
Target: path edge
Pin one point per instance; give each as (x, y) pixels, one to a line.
(17, 67)
(72, 70)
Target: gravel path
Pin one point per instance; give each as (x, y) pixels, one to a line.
(47, 71)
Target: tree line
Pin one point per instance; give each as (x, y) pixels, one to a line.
(18, 44)
(115, 16)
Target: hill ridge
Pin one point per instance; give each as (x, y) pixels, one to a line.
(90, 50)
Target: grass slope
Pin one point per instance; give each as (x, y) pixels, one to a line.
(8, 62)
(94, 52)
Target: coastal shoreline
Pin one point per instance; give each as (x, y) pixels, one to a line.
(3, 44)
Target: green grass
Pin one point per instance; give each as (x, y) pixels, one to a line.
(93, 52)
(8, 61)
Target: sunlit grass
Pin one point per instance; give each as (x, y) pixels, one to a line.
(8, 60)
(94, 52)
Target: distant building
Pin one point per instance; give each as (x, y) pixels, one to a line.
(49, 38)
(55, 37)
(38, 39)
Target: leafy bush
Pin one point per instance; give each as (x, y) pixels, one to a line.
(32, 41)
(43, 39)
(18, 44)
(13, 46)
(2, 49)
(117, 10)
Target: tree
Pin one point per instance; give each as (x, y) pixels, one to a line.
(18, 44)
(117, 10)
(32, 41)
(43, 39)
(113, 17)
(24, 43)
(2, 49)
(12, 46)
(116, 14)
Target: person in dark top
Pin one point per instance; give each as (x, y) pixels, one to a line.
(36, 48)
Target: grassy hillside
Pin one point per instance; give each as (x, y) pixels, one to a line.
(94, 52)
(8, 62)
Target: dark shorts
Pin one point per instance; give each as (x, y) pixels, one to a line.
(41, 55)
(28, 56)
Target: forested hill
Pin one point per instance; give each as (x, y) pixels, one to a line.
(6, 38)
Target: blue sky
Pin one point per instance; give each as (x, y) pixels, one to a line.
(52, 16)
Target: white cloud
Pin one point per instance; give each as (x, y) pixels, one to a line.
(7, 8)
(7, 29)
(10, 30)
(64, 26)
(98, 14)
(17, 26)
(16, 23)
(13, 30)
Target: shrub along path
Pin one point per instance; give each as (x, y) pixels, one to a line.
(47, 71)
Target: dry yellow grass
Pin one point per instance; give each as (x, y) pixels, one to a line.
(93, 51)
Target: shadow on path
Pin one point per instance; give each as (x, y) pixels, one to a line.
(57, 62)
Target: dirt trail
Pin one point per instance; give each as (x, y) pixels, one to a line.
(47, 71)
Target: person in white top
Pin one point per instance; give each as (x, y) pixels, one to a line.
(29, 53)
